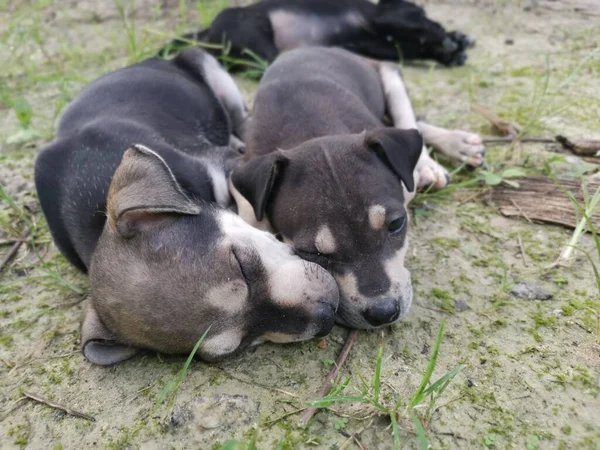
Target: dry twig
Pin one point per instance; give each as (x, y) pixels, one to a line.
(13, 250)
(331, 376)
(66, 409)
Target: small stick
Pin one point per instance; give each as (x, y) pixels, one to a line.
(268, 423)
(331, 377)
(522, 249)
(66, 409)
(520, 210)
(11, 253)
(14, 249)
(10, 241)
(506, 128)
(511, 139)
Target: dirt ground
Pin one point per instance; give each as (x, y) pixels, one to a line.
(532, 366)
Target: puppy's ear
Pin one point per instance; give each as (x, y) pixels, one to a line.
(144, 193)
(398, 149)
(255, 180)
(98, 344)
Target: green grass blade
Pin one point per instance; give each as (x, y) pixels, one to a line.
(171, 388)
(594, 267)
(421, 435)
(429, 371)
(442, 383)
(327, 401)
(377, 376)
(395, 430)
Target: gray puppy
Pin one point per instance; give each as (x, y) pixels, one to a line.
(328, 177)
(165, 260)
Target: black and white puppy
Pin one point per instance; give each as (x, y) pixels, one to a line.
(389, 30)
(134, 190)
(328, 177)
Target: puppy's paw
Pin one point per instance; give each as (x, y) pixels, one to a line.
(453, 51)
(464, 147)
(429, 174)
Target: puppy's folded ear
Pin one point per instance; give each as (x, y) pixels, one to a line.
(256, 178)
(98, 344)
(398, 149)
(144, 193)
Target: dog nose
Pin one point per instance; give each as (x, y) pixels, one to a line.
(382, 313)
(325, 318)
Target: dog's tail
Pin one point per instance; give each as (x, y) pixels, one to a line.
(187, 40)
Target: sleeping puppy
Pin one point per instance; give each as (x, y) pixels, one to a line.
(147, 223)
(327, 177)
(389, 30)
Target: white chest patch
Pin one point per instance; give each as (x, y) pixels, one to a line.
(292, 29)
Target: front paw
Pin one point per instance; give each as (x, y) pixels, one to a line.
(453, 50)
(465, 147)
(429, 174)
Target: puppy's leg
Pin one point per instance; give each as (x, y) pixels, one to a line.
(458, 145)
(428, 172)
(228, 93)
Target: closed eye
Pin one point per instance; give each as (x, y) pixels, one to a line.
(237, 260)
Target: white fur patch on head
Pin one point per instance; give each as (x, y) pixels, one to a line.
(230, 297)
(394, 268)
(222, 343)
(376, 217)
(324, 241)
(219, 184)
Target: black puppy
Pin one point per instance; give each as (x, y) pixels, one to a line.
(389, 30)
(165, 260)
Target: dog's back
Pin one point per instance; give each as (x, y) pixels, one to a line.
(343, 87)
(139, 104)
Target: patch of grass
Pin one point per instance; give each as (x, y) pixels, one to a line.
(370, 395)
(444, 300)
(170, 389)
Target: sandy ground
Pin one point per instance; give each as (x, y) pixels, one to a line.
(532, 367)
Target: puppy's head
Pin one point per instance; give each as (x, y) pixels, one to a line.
(168, 267)
(340, 202)
(406, 25)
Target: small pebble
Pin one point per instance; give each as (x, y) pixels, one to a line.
(530, 292)
(461, 305)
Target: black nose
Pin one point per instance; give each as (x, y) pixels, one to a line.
(382, 313)
(325, 318)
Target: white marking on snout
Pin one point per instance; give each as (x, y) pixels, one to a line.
(246, 211)
(283, 338)
(291, 281)
(324, 241)
(222, 343)
(394, 268)
(354, 304)
(376, 217)
(219, 184)
(229, 297)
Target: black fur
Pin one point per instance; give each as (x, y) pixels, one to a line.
(165, 105)
(390, 30)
